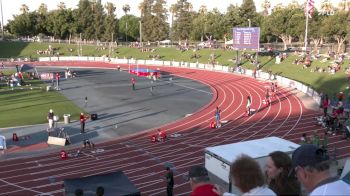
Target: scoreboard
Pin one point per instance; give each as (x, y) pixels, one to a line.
(246, 38)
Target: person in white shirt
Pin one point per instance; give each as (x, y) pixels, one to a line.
(311, 166)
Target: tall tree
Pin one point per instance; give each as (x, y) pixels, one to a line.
(61, 6)
(24, 9)
(24, 24)
(214, 24)
(183, 25)
(99, 18)
(110, 23)
(316, 29)
(266, 6)
(84, 19)
(231, 19)
(286, 23)
(172, 10)
(133, 26)
(60, 23)
(199, 23)
(126, 9)
(248, 11)
(146, 19)
(42, 14)
(336, 28)
(160, 27)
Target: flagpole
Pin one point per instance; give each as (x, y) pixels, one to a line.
(306, 25)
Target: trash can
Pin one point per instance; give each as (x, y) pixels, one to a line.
(66, 118)
(48, 88)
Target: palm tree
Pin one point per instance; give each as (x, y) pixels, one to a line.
(203, 12)
(110, 8)
(203, 9)
(294, 5)
(24, 9)
(277, 7)
(188, 6)
(61, 6)
(326, 7)
(173, 10)
(42, 9)
(343, 5)
(142, 8)
(126, 9)
(266, 6)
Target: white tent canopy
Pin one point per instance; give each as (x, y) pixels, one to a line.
(28, 67)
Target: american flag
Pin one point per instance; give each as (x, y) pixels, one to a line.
(310, 8)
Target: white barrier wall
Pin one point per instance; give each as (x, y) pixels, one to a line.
(281, 80)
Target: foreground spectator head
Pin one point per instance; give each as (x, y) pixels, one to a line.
(311, 165)
(278, 166)
(199, 181)
(100, 191)
(197, 174)
(248, 177)
(246, 174)
(79, 192)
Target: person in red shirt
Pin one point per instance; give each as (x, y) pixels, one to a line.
(83, 119)
(161, 135)
(57, 80)
(199, 181)
(340, 96)
(133, 83)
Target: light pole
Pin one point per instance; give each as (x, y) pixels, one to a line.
(126, 31)
(2, 21)
(249, 23)
(140, 32)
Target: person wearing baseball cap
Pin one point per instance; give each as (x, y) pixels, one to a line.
(199, 181)
(312, 167)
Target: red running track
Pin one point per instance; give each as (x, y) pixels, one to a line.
(143, 162)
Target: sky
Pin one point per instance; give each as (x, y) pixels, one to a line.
(12, 7)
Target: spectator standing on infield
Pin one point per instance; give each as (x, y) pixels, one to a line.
(199, 181)
(85, 102)
(133, 83)
(169, 176)
(278, 166)
(57, 80)
(312, 167)
(83, 119)
(50, 116)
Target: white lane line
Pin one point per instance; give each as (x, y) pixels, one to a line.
(20, 187)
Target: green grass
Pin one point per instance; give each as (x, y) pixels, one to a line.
(22, 107)
(27, 105)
